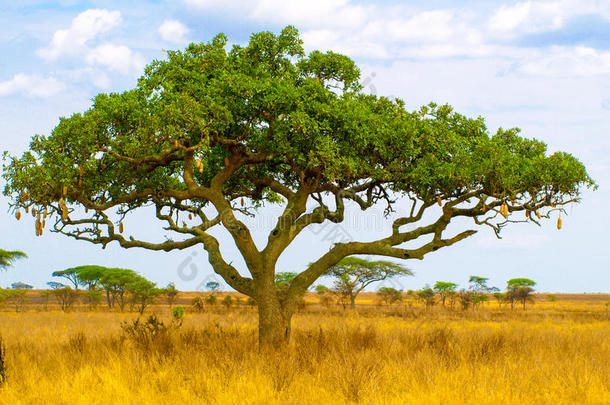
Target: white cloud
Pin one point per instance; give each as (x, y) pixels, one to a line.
(312, 13)
(31, 85)
(117, 58)
(563, 61)
(536, 16)
(86, 26)
(173, 31)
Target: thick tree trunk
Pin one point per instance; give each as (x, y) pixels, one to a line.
(273, 320)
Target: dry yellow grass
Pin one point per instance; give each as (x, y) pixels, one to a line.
(556, 352)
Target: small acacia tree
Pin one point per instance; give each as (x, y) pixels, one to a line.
(65, 296)
(212, 134)
(352, 275)
(69, 274)
(142, 292)
(171, 293)
(389, 295)
(478, 289)
(283, 279)
(20, 285)
(426, 295)
(444, 289)
(114, 281)
(519, 289)
(212, 286)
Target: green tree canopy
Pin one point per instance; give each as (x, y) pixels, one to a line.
(70, 274)
(19, 285)
(390, 295)
(89, 275)
(284, 278)
(7, 258)
(143, 292)
(444, 288)
(213, 286)
(352, 275)
(213, 133)
(520, 289)
(520, 282)
(115, 282)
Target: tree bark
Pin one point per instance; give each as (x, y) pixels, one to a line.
(352, 301)
(274, 320)
(273, 326)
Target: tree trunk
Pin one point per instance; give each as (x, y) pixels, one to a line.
(273, 321)
(352, 301)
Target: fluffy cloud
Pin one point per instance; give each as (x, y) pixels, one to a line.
(563, 61)
(117, 58)
(85, 27)
(31, 85)
(173, 31)
(312, 13)
(537, 16)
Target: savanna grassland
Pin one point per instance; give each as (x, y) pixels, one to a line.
(555, 352)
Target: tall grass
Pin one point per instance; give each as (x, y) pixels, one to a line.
(344, 357)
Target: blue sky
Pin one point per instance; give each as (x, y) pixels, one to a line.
(542, 66)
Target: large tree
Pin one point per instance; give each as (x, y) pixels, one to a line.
(211, 134)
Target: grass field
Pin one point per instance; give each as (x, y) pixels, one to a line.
(552, 353)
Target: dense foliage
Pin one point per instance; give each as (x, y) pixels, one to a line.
(212, 133)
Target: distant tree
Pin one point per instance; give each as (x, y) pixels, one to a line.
(17, 297)
(198, 304)
(352, 275)
(93, 297)
(283, 279)
(478, 283)
(479, 289)
(389, 295)
(143, 292)
(500, 297)
(171, 293)
(70, 274)
(227, 301)
(114, 282)
(65, 296)
(324, 295)
(54, 285)
(21, 286)
(89, 276)
(7, 258)
(426, 295)
(212, 286)
(45, 295)
(321, 289)
(444, 289)
(520, 289)
(211, 300)
(465, 297)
